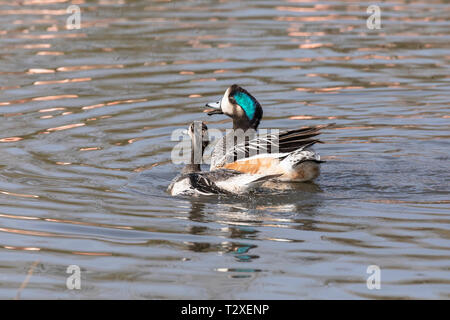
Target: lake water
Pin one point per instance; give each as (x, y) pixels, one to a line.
(87, 115)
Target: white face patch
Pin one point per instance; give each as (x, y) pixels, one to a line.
(225, 104)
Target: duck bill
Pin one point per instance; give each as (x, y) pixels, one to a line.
(215, 108)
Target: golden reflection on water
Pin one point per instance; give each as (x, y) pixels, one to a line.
(66, 127)
(11, 139)
(22, 248)
(37, 83)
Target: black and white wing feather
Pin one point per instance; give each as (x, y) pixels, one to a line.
(284, 142)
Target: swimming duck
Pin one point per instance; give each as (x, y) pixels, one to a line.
(287, 153)
(191, 181)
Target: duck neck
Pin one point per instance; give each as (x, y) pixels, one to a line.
(192, 166)
(244, 124)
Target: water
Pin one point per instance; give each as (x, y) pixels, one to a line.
(86, 120)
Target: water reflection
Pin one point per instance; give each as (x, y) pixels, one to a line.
(243, 217)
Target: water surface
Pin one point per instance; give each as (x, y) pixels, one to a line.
(87, 115)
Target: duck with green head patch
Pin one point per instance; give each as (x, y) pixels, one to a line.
(294, 159)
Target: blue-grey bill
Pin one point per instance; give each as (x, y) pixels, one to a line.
(216, 108)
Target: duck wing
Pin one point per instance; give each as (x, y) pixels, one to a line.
(205, 182)
(284, 142)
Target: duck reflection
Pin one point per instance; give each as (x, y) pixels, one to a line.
(241, 220)
(241, 251)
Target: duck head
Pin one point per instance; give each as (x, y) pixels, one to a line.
(240, 105)
(198, 131)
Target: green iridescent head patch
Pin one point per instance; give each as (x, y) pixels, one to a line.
(246, 103)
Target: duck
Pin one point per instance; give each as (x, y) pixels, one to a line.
(193, 182)
(286, 153)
